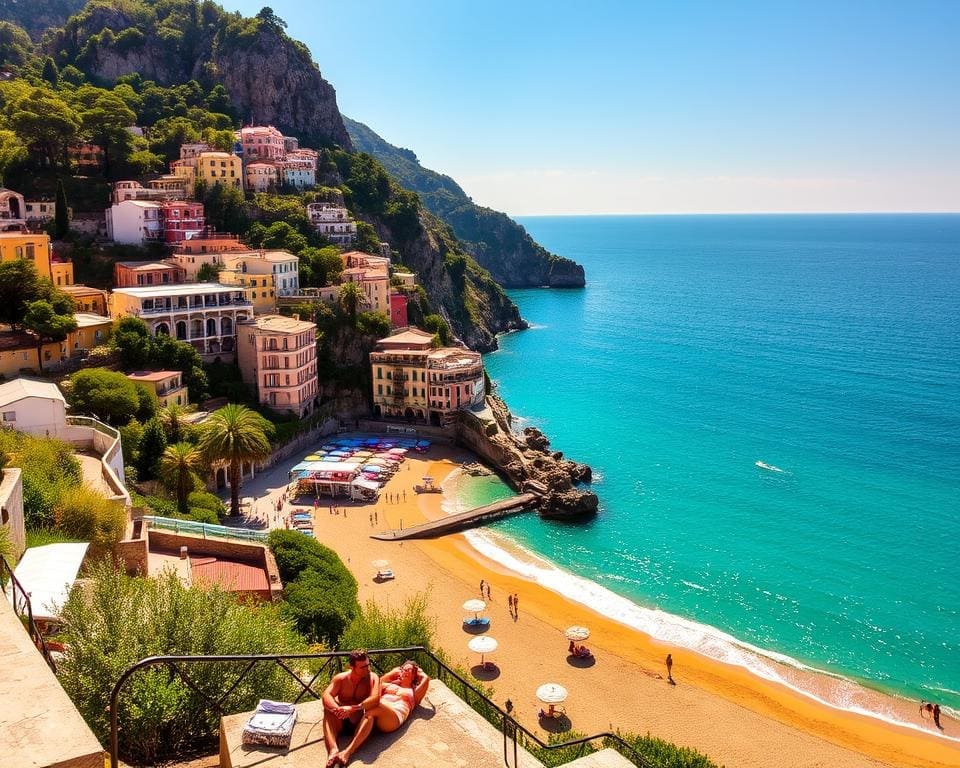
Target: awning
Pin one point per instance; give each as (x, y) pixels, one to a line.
(47, 573)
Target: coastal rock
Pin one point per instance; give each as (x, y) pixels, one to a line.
(527, 468)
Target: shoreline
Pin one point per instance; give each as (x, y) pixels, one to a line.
(731, 714)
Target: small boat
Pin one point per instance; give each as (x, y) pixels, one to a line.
(768, 467)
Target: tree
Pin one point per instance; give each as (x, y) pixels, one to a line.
(268, 17)
(179, 465)
(61, 217)
(351, 297)
(208, 273)
(320, 266)
(281, 235)
(106, 123)
(43, 320)
(436, 325)
(19, 285)
(45, 120)
(152, 446)
(108, 395)
(171, 416)
(131, 340)
(12, 151)
(87, 515)
(235, 435)
(50, 72)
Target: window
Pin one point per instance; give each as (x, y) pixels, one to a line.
(9, 415)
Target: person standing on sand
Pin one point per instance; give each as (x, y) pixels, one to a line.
(670, 669)
(936, 716)
(516, 605)
(510, 603)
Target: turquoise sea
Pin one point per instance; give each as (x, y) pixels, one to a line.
(826, 347)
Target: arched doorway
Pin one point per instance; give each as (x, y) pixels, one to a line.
(161, 328)
(221, 476)
(211, 327)
(182, 330)
(226, 327)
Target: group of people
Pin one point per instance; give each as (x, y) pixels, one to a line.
(580, 651)
(513, 601)
(358, 700)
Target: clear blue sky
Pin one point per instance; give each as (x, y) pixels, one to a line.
(637, 107)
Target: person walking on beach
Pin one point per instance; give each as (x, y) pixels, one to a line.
(936, 716)
(482, 591)
(404, 494)
(510, 603)
(670, 669)
(516, 605)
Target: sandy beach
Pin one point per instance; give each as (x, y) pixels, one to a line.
(735, 717)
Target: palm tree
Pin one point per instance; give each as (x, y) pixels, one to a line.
(172, 418)
(351, 297)
(235, 434)
(178, 470)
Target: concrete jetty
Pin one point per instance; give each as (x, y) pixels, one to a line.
(462, 520)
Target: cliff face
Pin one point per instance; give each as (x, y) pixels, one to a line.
(271, 79)
(35, 16)
(496, 241)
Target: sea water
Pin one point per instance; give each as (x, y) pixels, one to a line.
(827, 348)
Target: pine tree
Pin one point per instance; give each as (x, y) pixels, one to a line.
(61, 220)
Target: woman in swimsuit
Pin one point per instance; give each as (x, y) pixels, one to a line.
(401, 689)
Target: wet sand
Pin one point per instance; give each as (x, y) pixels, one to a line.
(735, 717)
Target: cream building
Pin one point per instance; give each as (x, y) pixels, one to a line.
(260, 177)
(203, 314)
(166, 385)
(278, 356)
(283, 265)
(415, 381)
(333, 222)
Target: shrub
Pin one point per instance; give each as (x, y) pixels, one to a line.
(321, 593)
(90, 516)
(378, 626)
(119, 620)
(49, 469)
(206, 500)
(201, 515)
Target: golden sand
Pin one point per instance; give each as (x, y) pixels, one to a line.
(733, 716)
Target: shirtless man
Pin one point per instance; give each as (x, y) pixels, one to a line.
(349, 695)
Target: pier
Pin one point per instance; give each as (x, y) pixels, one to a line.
(462, 520)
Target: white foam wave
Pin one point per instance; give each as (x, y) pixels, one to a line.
(694, 585)
(840, 693)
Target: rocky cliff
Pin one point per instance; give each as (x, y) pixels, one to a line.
(496, 241)
(35, 16)
(271, 78)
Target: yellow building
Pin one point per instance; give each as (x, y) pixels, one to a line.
(61, 273)
(92, 331)
(166, 385)
(88, 299)
(35, 248)
(261, 290)
(17, 351)
(220, 168)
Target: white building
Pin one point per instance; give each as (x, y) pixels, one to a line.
(283, 265)
(333, 222)
(134, 222)
(203, 314)
(260, 177)
(32, 406)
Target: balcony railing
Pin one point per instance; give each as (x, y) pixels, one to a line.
(515, 736)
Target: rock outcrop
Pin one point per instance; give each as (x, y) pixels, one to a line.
(528, 464)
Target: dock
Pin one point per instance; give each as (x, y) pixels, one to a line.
(462, 520)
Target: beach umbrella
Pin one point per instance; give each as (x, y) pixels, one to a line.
(577, 634)
(372, 468)
(328, 447)
(397, 451)
(380, 564)
(482, 644)
(331, 457)
(363, 454)
(423, 443)
(475, 606)
(312, 457)
(371, 441)
(376, 462)
(551, 693)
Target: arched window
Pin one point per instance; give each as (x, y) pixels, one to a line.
(162, 328)
(211, 327)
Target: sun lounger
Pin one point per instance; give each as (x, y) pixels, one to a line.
(271, 724)
(384, 574)
(556, 713)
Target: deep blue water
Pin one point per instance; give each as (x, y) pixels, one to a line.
(825, 346)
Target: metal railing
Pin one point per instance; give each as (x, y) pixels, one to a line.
(515, 736)
(205, 529)
(20, 600)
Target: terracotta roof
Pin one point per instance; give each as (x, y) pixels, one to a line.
(279, 324)
(137, 266)
(152, 375)
(229, 574)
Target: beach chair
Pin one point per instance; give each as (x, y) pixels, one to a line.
(385, 574)
(555, 713)
(474, 621)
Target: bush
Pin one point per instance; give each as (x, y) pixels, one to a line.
(206, 500)
(376, 626)
(161, 507)
(90, 516)
(119, 620)
(321, 593)
(201, 515)
(49, 470)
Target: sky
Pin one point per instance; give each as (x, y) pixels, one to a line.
(655, 107)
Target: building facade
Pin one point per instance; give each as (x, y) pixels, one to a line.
(86, 299)
(414, 381)
(13, 211)
(219, 168)
(203, 314)
(260, 177)
(283, 265)
(261, 143)
(181, 221)
(278, 356)
(131, 274)
(333, 222)
(260, 290)
(134, 222)
(166, 385)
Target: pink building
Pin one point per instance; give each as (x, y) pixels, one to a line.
(263, 143)
(131, 274)
(278, 355)
(181, 221)
(398, 310)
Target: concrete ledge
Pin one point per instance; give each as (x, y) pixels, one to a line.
(443, 732)
(604, 758)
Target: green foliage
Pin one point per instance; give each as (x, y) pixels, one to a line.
(350, 298)
(320, 266)
(13, 151)
(89, 516)
(119, 620)
(44, 120)
(130, 435)
(6, 549)
(43, 320)
(208, 273)
(108, 395)
(208, 501)
(16, 48)
(378, 626)
(49, 470)
(151, 449)
(320, 594)
(138, 349)
(40, 537)
(375, 324)
(436, 325)
(20, 285)
(179, 465)
(61, 219)
(224, 208)
(235, 435)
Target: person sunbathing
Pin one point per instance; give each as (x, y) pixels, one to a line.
(401, 690)
(345, 701)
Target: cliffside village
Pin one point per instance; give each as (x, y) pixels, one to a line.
(236, 318)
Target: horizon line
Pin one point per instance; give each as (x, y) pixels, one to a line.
(744, 213)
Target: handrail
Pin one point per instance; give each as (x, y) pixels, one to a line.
(20, 600)
(508, 725)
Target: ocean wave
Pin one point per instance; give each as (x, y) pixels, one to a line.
(834, 690)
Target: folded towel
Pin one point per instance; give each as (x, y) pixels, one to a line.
(275, 707)
(271, 724)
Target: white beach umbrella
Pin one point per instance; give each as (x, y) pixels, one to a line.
(475, 606)
(380, 564)
(483, 644)
(577, 634)
(551, 693)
